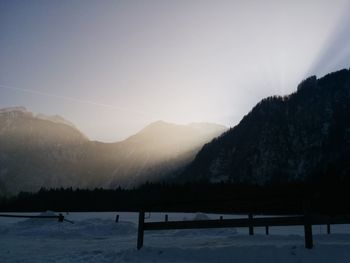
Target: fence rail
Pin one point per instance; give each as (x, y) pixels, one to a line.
(60, 217)
(301, 220)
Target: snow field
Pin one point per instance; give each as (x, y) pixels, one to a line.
(95, 237)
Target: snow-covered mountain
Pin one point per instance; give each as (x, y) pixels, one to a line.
(48, 151)
(303, 136)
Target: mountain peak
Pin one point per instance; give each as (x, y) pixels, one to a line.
(159, 126)
(159, 123)
(55, 119)
(164, 127)
(18, 111)
(15, 111)
(16, 108)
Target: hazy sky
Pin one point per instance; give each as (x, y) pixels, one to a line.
(112, 67)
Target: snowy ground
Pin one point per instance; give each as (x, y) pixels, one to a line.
(95, 237)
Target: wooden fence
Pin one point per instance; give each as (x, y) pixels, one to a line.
(60, 217)
(301, 220)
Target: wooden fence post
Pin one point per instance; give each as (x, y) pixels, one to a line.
(140, 231)
(267, 230)
(60, 218)
(251, 229)
(116, 218)
(308, 233)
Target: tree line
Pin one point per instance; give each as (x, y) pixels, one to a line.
(322, 197)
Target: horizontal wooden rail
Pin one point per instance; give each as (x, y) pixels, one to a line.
(334, 220)
(225, 223)
(28, 216)
(60, 217)
(301, 220)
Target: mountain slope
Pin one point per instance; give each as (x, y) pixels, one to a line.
(160, 149)
(304, 136)
(36, 152)
(44, 151)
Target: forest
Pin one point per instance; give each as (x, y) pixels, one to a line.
(322, 197)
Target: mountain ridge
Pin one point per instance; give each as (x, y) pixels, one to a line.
(48, 151)
(303, 136)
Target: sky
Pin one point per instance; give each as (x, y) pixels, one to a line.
(112, 67)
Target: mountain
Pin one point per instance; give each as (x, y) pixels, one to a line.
(48, 151)
(301, 137)
(160, 149)
(36, 152)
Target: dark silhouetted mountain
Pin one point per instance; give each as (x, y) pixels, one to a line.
(301, 137)
(48, 151)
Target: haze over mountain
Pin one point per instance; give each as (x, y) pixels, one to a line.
(48, 151)
(301, 137)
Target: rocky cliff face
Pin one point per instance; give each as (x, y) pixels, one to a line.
(44, 151)
(303, 136)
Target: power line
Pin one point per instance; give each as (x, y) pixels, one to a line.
(109, 106)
